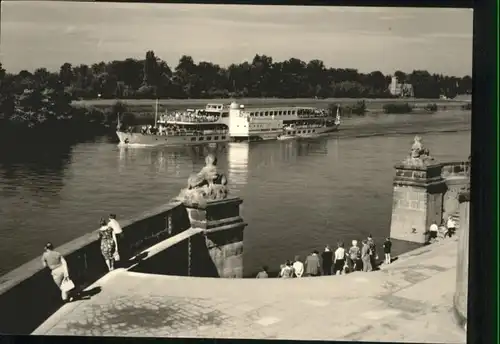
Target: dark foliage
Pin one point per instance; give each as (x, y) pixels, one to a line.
(467, 106)
(398, 108)
(431, 107)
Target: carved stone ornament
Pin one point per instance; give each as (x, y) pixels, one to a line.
(419, 155)
(206, 185)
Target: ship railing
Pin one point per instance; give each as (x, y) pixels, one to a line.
(193, 133)
(190, 118)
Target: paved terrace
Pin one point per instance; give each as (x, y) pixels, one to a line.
(410, 301)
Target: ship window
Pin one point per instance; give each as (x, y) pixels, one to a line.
(209, 138)
(266, 113)
(289, 133)
(314, 131)
(261, 114)
(308, 131)
(289, 112)
(216, 137)
(200, 138)
(223, 137)
(280, 112)
(193, 139)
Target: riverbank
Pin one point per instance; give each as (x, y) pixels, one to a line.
(138, 106)
(399, 303)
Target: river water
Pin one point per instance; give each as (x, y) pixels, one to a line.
(298, 196)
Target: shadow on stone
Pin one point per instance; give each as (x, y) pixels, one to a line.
(87, 294)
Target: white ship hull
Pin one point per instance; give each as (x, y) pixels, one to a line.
(148, 140)
(273, 135)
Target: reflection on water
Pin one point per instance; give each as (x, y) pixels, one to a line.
(298, 195)
(237, 163)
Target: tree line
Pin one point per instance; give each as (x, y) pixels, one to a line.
(153, 78)
(41, 97)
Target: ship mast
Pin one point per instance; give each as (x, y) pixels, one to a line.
(156, 112)
(118, 121)
(337, 116)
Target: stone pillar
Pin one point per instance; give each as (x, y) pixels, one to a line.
(417, 201)
(454, 186)
(223, 231)
(457, 180)
(462, 281)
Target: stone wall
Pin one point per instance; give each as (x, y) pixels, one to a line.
(30, 287)
(456, 177)
(462, 281)
(212, 247)
(223, 233)
(417, 201)
(423, 195)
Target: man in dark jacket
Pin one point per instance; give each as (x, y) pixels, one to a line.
(373, 251)
(327, 261)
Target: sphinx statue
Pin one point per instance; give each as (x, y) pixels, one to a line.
(419, 155)
(206, 185)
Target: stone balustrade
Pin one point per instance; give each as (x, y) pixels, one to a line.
(455, 168)
(28, 294)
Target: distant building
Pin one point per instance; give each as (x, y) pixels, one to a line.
(402, 90)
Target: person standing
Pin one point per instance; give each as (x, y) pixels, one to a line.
(387, 250)
(58, 267)
(312, 266)
(298, 267)
(365, 257)
(263, 273)
(108, 244)
(373, 251)
(353, 257)
(327, 260)
(118, 235)
(339, 261)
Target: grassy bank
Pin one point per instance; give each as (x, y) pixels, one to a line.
(145, 107)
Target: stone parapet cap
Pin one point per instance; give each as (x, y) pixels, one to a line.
(403, 166)
(234, 225)
(209, 204)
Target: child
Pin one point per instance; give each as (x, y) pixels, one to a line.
(387, 250)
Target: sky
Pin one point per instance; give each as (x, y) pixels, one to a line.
(38, 34)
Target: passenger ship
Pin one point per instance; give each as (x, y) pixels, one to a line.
(190, 127)
(258, 124)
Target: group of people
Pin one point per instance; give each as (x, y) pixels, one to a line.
(197, 116)
(447, 230)
(362, 257)
(110, 235)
